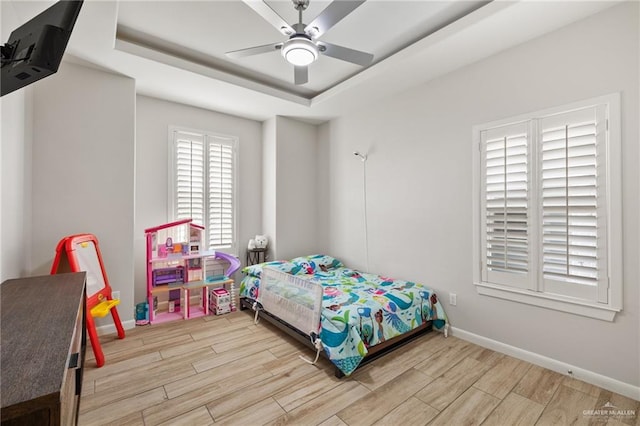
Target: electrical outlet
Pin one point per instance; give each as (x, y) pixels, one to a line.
(115, 294)
(453, 299)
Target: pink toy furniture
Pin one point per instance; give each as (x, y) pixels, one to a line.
(180, 245)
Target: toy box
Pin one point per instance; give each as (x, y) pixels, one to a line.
(219, 297)
(219, 301)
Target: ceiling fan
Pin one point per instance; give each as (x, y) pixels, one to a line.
(303, 47)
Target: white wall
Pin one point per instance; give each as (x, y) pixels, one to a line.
(154, 117)
(83, 163)
(323, 187)
(15, 169)
(296, 207)
(290, 187)
(269, 185)
(419, 179)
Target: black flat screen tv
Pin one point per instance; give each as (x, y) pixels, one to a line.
(35, 49)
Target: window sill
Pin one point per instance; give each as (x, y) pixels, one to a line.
(554, 302)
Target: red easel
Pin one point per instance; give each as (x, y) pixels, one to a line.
(77, 253)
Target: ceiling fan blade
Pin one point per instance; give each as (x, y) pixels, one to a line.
(330, 16)
(301, 75)
(270, 15)
(344, 53)
(257, 50)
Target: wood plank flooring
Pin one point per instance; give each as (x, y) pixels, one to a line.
(226, 370)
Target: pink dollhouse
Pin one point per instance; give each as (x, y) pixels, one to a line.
(178, 265)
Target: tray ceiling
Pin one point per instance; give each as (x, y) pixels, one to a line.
(175, 50)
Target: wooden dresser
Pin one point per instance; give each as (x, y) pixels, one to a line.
(43, 348)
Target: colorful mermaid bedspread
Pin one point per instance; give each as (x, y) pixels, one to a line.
(360, 310)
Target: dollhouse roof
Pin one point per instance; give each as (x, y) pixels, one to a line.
(172, 224)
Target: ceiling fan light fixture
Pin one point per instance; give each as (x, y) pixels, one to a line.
(300, 51)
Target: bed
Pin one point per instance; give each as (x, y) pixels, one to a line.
(356, 316)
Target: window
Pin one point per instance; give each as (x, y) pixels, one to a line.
(203, 184)
(547, 208)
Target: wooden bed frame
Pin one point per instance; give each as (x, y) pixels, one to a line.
(374, 353)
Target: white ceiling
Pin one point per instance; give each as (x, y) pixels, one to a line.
(175, 50)
(210, 29)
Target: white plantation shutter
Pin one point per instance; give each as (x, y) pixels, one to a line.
(506, 244)
(547, 208)
(572, 168)
(203, 186)
(189, 177)
(221, 190)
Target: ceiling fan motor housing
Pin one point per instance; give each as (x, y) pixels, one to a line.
(300, 4)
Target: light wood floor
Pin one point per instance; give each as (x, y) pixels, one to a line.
(226, 370)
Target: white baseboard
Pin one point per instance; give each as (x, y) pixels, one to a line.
(563, 368)
(111, 328)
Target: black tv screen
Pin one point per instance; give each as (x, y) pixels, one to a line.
(35, 49)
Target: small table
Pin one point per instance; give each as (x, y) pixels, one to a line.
(257, 255)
